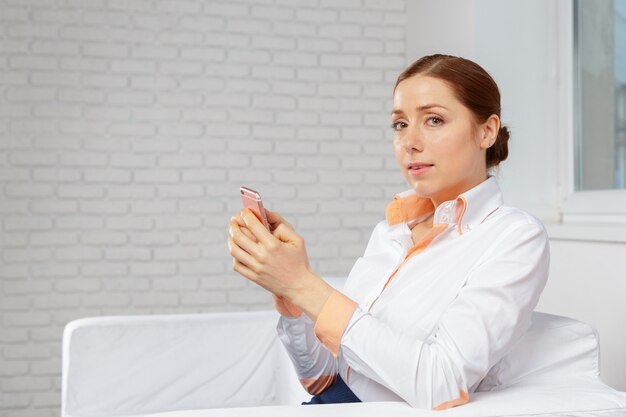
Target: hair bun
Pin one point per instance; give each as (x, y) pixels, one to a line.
(499, 151)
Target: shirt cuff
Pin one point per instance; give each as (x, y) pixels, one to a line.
(333, 320)
(285, 307)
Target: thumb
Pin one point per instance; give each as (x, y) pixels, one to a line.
(285, 233)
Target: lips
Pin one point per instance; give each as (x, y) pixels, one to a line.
(419, 168)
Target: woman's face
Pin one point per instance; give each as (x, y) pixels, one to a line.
(439, 147)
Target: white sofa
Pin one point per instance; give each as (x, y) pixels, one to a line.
(232, 364)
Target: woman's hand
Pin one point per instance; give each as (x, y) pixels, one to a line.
(277, 261)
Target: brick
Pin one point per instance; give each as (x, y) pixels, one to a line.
(395, 47)
(47, 399)
(202, 84)
(296, 148)
(319, 133)
(13, 240)
(127, 284)
(155, 145)
(207, 269)
(273, 161)
(202, 53)
(79, 192)
(248, 26)
(273, 72)
(294, 88)
(131, 191)
(58, 301)
(12, 368)
(181, 68)
(69, 95)
(83, 64)
(106, 113)
(160, 52)
(105, 50)
(158, 176)
(12, 207)
(340, 31)
(202, 23)
(149, 207)
(153, 269)
(246, 145)
(181, 129)
(13, 304)
(295, 29)
(133, 160)
(131, 98)
(174, 283)
(77, 253)
(130, 66)
(14, 174)
(273, 42)
(133, 129)
(55, 47)
(157, 238)
(361, 75)
(396, 5)
(14, 14)
(28, 190)
(317, 74)
(203, 298)
(155, 300)
(105, 18)
(179, 37)
(31, 31)
(55, 238)
(49, 111)
(187, 99)
(50, 367)
(20, 319)
(16, 402)
(107, 175)
(318, 104)
(129, 223)
(27, 223)
(175, 6)
(303, 59)
(30, 94)
(386, 62)
(111, 207)
(106, 300)
(155, 83)
(53, 270)
(26, 287)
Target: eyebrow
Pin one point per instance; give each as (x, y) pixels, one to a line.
(420, 108)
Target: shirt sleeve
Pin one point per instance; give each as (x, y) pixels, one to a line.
(487, 318)
(315, 366)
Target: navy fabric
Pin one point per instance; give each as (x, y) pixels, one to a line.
(337, 392)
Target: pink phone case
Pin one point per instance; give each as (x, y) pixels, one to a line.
(252, 200)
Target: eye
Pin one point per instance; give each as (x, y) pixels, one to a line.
(398, 125)
(434, 121)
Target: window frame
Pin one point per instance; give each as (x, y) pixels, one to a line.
(605, 207)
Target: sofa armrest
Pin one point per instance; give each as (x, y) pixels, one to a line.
(115, 366)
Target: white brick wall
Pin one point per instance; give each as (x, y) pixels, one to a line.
(126, 128)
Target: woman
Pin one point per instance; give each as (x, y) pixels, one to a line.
(448, 281)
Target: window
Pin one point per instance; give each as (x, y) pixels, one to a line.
(599, 94)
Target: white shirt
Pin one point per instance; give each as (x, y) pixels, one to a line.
(452, 309)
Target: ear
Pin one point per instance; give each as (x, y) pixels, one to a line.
(489, 131)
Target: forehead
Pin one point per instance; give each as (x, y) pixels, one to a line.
(420, 90)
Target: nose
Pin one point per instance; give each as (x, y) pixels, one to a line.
(411, 139)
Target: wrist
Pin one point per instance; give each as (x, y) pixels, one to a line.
(312, 295)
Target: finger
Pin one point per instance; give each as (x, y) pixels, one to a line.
(244, 242)
(257, 228)
(237, 218)
(286, 233)
(275, 219)
(241, 255)
(244, 270)
(248, 233)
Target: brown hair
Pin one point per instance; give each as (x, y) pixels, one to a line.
(472, 86)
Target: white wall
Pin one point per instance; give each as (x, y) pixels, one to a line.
(518, 43)
(126, 128)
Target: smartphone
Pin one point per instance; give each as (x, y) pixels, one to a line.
(252, 200)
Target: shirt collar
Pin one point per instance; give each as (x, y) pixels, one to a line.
(469, 209)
